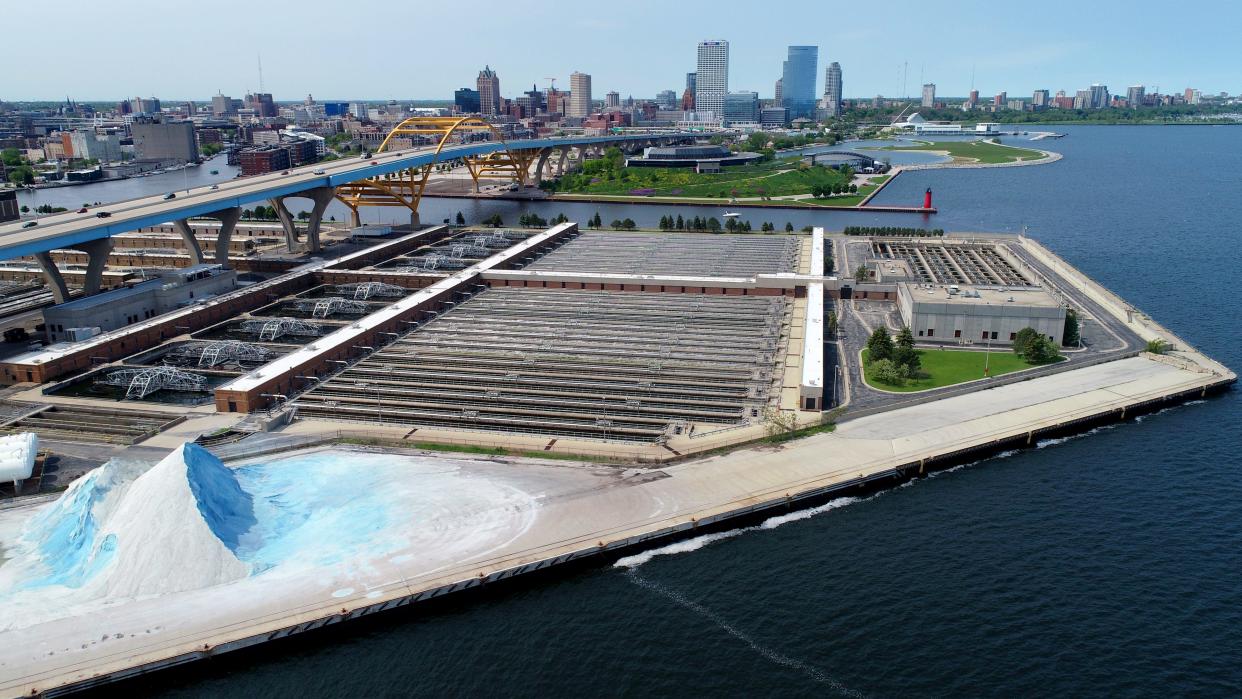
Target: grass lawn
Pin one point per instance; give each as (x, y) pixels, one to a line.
(948, 367)
(977, 151)
(772, 179)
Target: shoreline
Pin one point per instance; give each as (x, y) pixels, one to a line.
(866, 450)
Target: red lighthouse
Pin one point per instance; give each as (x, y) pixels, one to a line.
(927, 199)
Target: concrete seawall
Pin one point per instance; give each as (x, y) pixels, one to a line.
(658, 505)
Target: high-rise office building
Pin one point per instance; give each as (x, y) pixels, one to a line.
(222, 105)
(832, 89)
(999, 99)
(488, 85)
(466, 101)
(612, 100)
(798, 81)
(579, 95)
(1135, 95)
(929, 96)
(692, 81)
(779, 91)
(741, 108)
(712, 77)
(1040, 99)
(1099, 96)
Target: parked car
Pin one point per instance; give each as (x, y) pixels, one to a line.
(30, 224)
(170, 195)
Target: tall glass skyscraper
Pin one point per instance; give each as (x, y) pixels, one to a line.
(798, 81)
(832, 89)
(711, 82)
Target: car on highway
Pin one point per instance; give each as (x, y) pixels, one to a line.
(215, 186)
(30, 224)
(170, 195)
(82, 210)
(102, 214)
(317, 172)
(284, 172)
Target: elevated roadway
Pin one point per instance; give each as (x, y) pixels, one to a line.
(69, 229)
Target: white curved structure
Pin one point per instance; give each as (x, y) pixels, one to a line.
(17, 456)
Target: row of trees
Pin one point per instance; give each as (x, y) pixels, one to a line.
(894, 231)
(819, 191)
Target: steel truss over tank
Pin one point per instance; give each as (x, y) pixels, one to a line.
(140, 383)
(210, 354)
(365, 290)
(276, 327)
(322, 308)
(405, 188)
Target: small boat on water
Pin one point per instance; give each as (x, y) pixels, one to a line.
(730, 214)
(215, 172)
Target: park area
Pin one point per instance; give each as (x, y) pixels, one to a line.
(984, 152)
(940, 368)
(775, 179)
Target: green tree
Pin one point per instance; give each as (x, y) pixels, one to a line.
(886, 371)
(905, 356)
(731, 225)
(628, 224)
(1070, 337)
(832, 323)
(303, 215)
(11, 157)
(1157, 346)
(1023, 339)
(880, 345)
(461, 220)
(713, 225)
(789, 227)
(861, 274)
(599, 222)
(616, 224)
(1041, 351)
(681, 223)
(25, 209)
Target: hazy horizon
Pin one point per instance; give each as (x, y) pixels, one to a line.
(373, 51)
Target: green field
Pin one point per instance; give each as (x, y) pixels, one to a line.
(975, 151)
(772, 179)
(948, 367)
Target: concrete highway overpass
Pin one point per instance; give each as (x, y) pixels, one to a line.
(318, 182)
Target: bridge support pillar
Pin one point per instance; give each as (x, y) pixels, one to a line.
(55, 280)
(97, 258)
(322, 196)
(286, 222)
(541, 164)
(191, 243)
(228, 223)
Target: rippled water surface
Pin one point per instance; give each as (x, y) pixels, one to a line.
(1105, 564)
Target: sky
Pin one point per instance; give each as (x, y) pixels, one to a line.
(366, 49)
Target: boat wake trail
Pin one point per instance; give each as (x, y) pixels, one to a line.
(775, 657)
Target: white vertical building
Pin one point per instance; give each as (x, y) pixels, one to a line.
(832, 89)
(579, 95)
(929, 95)
(712, 78)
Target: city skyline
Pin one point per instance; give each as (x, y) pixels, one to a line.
(1016, 54)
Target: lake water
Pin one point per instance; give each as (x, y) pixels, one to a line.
(1107, 564)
